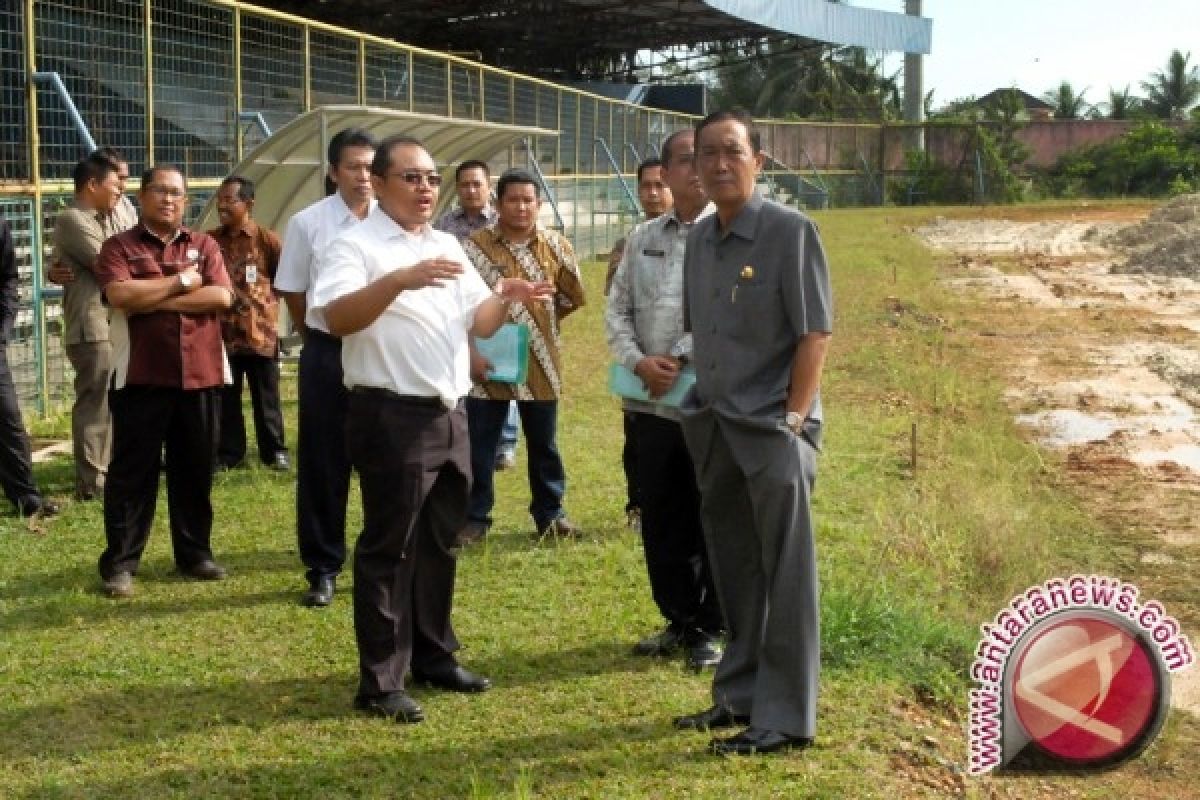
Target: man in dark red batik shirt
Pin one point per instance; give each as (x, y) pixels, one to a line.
(167, 286)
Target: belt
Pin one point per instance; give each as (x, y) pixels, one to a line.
(388, 394)
(314, 333)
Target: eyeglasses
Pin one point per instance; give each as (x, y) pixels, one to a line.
(165, 191)
(414, 177)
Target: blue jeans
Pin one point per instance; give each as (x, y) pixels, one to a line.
(547, 478)
(508, 434)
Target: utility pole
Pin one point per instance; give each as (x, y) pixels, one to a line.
(914, 86)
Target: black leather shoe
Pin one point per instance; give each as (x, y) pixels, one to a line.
(471, 533)
(703, 652)
(320, 592)
(666, 642)
(206, 570)
(396, 706)
(755, 741)
(38, 507)
(452, 678)
(715, 717)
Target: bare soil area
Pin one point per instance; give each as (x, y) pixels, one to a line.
(1102, 344)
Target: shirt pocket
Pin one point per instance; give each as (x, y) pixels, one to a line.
(144, 266)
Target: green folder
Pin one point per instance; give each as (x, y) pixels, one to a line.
(624, 383)
(508, 350)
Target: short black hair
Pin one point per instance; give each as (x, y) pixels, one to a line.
(93, 168)
(383, 153)
(516, 175)
(649, 163)
(350, 137)
(669, 141)
(149, 175)
(245, 187)
(738, 115)
(111, 153)
(473, 163)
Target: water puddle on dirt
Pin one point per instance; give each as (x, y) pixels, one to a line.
(1120, 398)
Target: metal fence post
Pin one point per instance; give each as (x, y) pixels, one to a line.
(35, 216)
(148, 55)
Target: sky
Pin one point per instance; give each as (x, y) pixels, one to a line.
(981, 45)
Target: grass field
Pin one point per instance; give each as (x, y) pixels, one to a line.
(234, 690)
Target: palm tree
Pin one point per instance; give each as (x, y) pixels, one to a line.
(1122, 103)
(800, 77)
(1171, 92)
(1068, 104)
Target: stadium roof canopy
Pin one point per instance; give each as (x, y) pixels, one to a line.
(574, 39)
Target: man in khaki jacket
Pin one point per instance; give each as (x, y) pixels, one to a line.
(78, 234)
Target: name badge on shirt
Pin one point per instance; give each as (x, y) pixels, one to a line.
(655, 253)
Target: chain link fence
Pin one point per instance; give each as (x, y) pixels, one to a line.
(201, 82)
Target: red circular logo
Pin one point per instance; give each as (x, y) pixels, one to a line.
(1086, 689)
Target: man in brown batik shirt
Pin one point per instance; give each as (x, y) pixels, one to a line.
(249, 329)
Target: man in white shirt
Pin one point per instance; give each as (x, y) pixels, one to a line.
(405, 299)
(323, 469)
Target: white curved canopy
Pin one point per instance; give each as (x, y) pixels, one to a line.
(288, 168)
(836, 23)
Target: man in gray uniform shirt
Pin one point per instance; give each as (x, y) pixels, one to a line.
(759, 306)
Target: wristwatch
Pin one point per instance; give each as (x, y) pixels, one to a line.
(187, 280)
(795, 421)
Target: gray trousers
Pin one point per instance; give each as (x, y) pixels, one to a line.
(91, 422)
(755, 486)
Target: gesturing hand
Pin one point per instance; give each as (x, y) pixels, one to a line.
(658, 373)
(429, 272)
(521, 291)
(480, 366)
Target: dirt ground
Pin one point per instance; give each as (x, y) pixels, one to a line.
(1105, 366)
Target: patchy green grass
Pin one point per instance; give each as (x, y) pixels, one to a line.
(234, 690)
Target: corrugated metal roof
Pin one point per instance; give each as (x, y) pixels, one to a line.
(836, 23)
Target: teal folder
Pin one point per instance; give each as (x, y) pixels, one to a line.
(624, 383)
(508, 350)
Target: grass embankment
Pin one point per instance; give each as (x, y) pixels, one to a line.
(233, 690)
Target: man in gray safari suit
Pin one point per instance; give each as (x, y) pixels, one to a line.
(759, 306)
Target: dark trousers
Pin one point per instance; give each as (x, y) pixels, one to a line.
(676, 558)
(16, 462)
(147, 419)
(323, 466)
(413, 465)
(629, 462)
(261, 373)
(547, 477)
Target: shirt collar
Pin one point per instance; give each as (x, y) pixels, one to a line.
(488, 213)
(746, 222)
(247, 228)
(342, 211)
(538, 233)
(392, 229)
(673, 218)
(183, 233)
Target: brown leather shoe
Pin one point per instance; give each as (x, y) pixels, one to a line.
(561, 528)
